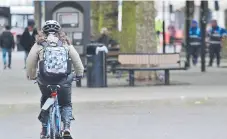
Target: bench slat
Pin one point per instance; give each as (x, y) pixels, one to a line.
(149, 59)
(146, 69)
(133, 59)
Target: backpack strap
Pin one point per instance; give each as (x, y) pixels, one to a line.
(60, 43)
(44, 44)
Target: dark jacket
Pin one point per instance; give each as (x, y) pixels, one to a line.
(195, 36)
(27, 40)
(105, 39)
(7, 40)
(215, 35)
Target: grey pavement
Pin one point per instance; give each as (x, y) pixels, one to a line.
(129, 121)
(193, 106)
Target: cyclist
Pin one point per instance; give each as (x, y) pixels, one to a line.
(48, 54)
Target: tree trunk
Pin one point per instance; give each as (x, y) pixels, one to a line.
(101, 17)
(145, 33)
(128, 34)
(95, 17)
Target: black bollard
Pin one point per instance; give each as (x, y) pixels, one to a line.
(203, 23)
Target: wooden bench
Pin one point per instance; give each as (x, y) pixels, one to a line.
(150, 62)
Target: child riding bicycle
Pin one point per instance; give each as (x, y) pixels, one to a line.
(53, 54)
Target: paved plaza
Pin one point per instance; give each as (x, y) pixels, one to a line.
(193, 107)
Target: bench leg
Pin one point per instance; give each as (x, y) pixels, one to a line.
(78, 83)
(167, 77)
(131, 78)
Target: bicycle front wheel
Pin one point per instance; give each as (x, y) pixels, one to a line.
(52, 123)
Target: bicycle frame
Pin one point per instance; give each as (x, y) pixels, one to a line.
(54, 110)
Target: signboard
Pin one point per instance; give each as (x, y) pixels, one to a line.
(68, 18)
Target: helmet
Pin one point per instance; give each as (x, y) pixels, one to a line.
(51, 26)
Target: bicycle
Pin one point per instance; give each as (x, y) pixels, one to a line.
(54, 120)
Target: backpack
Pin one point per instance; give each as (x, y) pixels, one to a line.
(7, 40)
(56, 63)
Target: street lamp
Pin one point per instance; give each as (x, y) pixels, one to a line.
(189, 12)
(203, 23)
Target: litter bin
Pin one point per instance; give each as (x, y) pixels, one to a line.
(96, 65)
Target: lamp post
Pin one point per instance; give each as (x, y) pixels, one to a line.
(163, 27)
(203, 23)
(189, 12)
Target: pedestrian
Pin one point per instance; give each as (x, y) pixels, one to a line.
(194, 42)
(215, 35)
(7, 44)
(106, 39)
(172, 34)
(28, 38)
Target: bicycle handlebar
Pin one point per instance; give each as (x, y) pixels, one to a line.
(75, 78)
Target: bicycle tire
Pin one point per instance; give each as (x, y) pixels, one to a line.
(52, 123)
(58, 123)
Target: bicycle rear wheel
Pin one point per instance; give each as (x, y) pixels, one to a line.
(52, 123)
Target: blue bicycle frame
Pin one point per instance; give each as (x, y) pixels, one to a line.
(54, 120)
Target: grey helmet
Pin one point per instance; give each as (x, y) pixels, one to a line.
(51, 26)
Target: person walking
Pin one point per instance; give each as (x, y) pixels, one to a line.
(28, 38)
(7, 44)
(215, 35)
(195, 42)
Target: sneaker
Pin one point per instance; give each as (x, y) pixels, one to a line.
(67, 134)
(43, 134)
(4, 66)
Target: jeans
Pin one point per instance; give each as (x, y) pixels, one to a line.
(194, 51)
(25, 57)
(4, 53)
(215, 50)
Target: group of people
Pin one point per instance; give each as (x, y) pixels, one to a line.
(215, 35)
(7, 42)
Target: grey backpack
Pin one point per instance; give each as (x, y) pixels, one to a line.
(56, 63)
